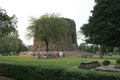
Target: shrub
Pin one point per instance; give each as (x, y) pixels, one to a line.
(106, 62)
(118, 61)
(20, 72)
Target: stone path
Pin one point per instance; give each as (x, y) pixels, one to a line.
(5, 78)
(107, 68)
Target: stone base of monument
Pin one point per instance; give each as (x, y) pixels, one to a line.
(89, 65)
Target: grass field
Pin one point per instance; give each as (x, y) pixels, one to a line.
(53, 63)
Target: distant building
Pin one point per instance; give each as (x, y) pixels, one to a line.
(69, 44)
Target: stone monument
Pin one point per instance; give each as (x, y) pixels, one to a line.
(69, 44)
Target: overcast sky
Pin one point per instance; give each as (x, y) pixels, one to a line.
(78, 10)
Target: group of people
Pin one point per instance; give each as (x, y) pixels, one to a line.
(44, 54)
(50, 54)
(56, 54)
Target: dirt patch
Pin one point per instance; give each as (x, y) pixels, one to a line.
(5, 78)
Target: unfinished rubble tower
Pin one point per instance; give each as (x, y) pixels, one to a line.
(69, 44)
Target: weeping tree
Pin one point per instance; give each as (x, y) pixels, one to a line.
(7, 23)
(103, 27)
(49, 28)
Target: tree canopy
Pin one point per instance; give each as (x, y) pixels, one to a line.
(11, 43)
(48, 28)
(7, 23)
(103, 27)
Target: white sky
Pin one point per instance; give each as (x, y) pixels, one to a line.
(78, 10)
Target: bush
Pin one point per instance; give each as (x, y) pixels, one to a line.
(106, 62)
(19, 72)
(85, 74)
(118, 61)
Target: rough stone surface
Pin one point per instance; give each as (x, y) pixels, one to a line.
(107, 68)
(69, 44)
(89, 65)
(117, 66)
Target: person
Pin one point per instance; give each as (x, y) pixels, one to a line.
(21, 53)
(55, 54)
(60, 54)
(49, 54)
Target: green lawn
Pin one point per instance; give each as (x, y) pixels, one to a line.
(53, 63)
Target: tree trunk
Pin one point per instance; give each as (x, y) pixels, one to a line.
(46, 43)
(100, 51)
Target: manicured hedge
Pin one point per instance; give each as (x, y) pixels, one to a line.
(85, 74)
(20, 72)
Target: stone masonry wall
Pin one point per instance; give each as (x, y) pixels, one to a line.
(69, 44)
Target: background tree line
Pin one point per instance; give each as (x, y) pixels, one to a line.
(94, 49)
(9, 38)
(11, 43)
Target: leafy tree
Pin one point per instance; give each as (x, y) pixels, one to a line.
(7, 23)
(31, 28)
(11, 43)
(104, 25)
(29, 47)
(95, 49)
(82, 46)
(48, 28)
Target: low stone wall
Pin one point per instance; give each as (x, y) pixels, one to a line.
(117, 66)
(89, 65)
(110, 68)
(72, 53)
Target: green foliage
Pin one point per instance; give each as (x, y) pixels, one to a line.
(106, 62)
(103, 27)
(31, 28)
(82, 74)
(118, 61)
(48, 28)
(11, 43)
(29, 47)
(30, 68)
(89, 48)
(54, 63)
(7, 23)
(20, 72)
(51, 27)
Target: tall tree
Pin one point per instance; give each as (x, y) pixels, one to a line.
(104, 25)
(11, 43)
(7, 23)
(49, 28)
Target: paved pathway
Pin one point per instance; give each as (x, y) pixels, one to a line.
(5, 78)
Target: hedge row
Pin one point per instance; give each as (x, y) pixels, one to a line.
(20, 72)
(86, 74)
